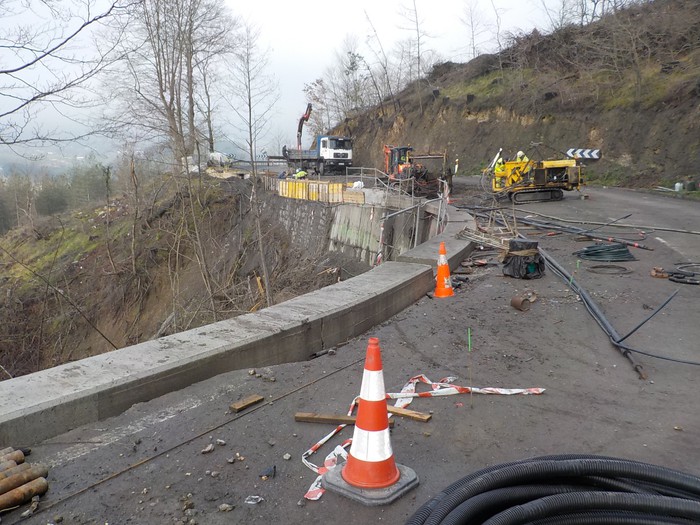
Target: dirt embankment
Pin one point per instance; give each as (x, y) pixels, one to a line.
(628, 85)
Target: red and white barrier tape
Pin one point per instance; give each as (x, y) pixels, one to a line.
(444, 387)
(315, 490)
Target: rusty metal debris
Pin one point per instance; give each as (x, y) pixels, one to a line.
(20, 482)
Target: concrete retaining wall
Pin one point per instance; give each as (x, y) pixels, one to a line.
(47, 403)
(351, 229)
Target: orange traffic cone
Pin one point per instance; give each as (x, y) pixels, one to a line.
(370, 474)
(443, 285)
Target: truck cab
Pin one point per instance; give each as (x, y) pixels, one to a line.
(330, 153)
(333, 152)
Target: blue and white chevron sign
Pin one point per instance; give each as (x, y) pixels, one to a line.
(583, 153)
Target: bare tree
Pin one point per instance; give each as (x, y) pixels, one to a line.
(48, 55)
(415, 22)
(387, 88)
(473, 21)
(318, 94)
(347, 81)
(173, 46)
(206, 101)
(564, 12)
(347, 86)
(255, 95)
(403, 67)
(498, 34)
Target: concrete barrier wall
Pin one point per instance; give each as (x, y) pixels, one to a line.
(350, 229)
(47, 403)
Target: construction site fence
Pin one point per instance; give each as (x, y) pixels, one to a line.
(347, 189)
(340, 189)
(311, 190)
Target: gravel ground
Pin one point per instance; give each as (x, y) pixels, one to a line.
(147, 466)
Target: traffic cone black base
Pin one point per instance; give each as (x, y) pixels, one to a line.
(333, 481)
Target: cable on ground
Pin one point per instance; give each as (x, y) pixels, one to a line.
(692, 267)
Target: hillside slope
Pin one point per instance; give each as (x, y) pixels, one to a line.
(89, 281)
(628, 84)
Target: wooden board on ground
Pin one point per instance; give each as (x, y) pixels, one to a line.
(410, 414)
(311, 417)
(245, 403)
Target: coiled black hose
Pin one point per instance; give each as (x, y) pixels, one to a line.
(566, 489)
(606, 253)
(609, 518)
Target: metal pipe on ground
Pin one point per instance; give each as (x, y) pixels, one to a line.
(621, 225)
(23, 494)
(575, 231)
(16, 455)
(21, 478)
(584, 233)
(14, 470)
(595, 311)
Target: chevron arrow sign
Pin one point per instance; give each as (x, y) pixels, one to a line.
(583, 153)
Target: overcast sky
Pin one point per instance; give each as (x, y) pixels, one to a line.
(303, 36)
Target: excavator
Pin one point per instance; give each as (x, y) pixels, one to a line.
(536, 180)
(402, 164)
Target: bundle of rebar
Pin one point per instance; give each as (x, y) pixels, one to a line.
(615, 252)
(19, 481)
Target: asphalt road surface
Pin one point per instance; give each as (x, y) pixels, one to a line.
(147, 465)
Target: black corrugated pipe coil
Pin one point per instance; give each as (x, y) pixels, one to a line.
(567, 489)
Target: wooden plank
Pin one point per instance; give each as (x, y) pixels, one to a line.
(312, 417)
(245, 403)
(410, 414)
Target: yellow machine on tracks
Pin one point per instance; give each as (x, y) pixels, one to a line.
(536, 180)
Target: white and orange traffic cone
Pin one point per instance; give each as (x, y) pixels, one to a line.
(370, 475)
(443, 284)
